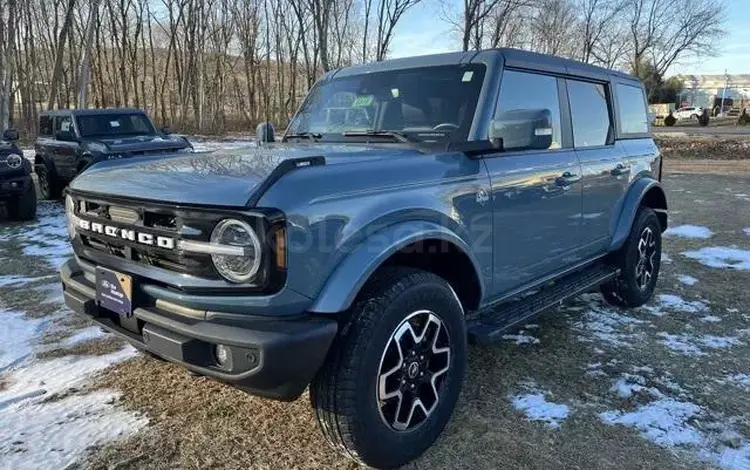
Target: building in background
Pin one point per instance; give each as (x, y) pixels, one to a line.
(707, 91)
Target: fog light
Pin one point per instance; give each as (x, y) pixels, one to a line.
(222, 354)
(14, 184)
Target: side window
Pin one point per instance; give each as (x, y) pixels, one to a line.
(631, 106)
(63, 124)
(589, 113)
(45, 125)
(529, 92)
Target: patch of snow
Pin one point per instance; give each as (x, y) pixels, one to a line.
(677, 303)
(629, 384)
(689, 231)
(719, 342)
(680, 344)
(602, 323)
(710, 319)
(46, 237)
(664, 422)
(746, 230)
(83, 336)
(740, 380)
(56, 434)
(16, 281)
(721, 257)
(687, 280)
(521, 338)
(536, 408)
(665, 259)
(17, 333)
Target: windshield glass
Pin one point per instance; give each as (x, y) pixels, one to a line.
(426, 104)
(115, 125)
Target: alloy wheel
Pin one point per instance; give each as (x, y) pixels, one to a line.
(413, 370)
(644, 268)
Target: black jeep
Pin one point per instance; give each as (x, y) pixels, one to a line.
(17, 190)
(70, 141)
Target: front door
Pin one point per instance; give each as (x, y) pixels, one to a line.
(536, 193)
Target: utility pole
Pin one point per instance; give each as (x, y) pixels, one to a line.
(724, 92)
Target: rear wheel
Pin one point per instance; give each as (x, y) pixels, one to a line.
(50, 186)
(392, 379)
(639, 261)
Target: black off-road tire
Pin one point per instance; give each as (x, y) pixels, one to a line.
(50, 186)
(24, 206)
(628, 289)
(344, 393)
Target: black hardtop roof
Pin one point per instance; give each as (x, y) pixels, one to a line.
(91, 112)
(514, 58)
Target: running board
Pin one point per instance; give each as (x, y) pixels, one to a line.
(488, 326)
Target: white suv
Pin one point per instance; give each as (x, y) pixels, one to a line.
(687, 113)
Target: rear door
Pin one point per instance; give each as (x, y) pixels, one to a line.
(535, 194)
(606, 168)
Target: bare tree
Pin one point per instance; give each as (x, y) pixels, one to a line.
(60, 56)
(389, 14)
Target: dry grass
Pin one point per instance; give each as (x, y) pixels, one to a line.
(98, 347)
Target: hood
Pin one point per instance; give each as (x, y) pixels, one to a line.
(222, 178)
(143, 143)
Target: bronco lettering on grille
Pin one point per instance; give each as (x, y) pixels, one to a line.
(127, 234)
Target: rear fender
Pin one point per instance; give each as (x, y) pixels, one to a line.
(343, 285)
(633, 200)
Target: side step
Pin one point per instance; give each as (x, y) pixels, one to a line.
(487, 326)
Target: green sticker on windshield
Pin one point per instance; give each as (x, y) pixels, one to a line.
(364, 100)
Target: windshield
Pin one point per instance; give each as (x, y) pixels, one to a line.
(426, 104)
(114, 125)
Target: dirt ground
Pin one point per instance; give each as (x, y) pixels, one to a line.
(657, 387)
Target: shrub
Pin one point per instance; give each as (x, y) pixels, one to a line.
(670, 120)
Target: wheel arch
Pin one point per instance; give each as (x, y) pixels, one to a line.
(644, 192)
(422, 245)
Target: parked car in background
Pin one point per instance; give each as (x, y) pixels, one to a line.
(412, 206)
(688, 112)
(70, 141)
(17, 191)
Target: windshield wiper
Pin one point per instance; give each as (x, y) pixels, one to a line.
(395, 135)
(314, 136)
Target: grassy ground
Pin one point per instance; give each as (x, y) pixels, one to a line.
(583, 350)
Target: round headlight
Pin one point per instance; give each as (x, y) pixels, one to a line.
(237, 268)
(70, 216)
(14, 161)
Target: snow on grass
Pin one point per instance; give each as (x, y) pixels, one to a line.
(629, 384)
(17, 281)
(689, 231)
(604, 324)
(675, 303)
(665, 259)
(521, 338)
(56, 434)
(746, 230)
(721, 257)
(536, 408)
(739, 380)
(84, 336)
(690, 345)
(46, 237)
(17, 334)
(710, 319)
(687, 280)
(664, 422)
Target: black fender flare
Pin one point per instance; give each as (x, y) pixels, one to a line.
(43, 160)
(645, 190)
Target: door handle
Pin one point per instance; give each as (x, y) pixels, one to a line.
(567, 179)
(621, 169)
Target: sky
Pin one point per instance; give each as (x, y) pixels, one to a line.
(423, 31)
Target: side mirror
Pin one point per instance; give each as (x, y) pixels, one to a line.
(522, 129)
(10, 135)
(165, 130)
(65, 136)
(265, 133)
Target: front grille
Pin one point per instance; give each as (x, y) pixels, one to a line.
(155, 220)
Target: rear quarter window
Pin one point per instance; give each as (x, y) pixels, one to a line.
(631, 109)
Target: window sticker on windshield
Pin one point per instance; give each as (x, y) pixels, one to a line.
(364, 100)
(468, 75)
(394, 92)
(114, 123)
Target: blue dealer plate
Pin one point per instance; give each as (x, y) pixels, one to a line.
(114, 291)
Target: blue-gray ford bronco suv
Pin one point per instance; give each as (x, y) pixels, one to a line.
(412, 206)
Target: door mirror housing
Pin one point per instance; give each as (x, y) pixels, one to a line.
(65, 136)
(10, 135)
(265, 133)
(523, 129)
(165, 129)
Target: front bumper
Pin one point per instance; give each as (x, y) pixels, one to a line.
(14, 186)
(268, 356)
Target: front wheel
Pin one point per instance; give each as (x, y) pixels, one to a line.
(392, 379)
(24, 207)
(639, 261)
